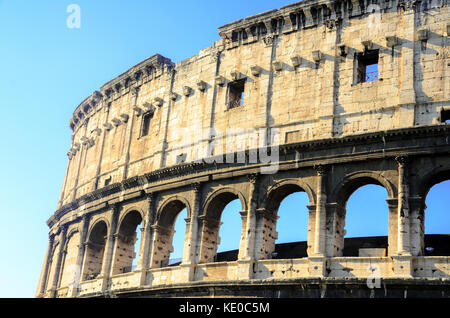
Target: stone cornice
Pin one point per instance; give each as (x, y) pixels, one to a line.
(303, 15)
(144, 71)
(186, 169)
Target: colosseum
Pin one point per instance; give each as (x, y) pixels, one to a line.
(319, 96)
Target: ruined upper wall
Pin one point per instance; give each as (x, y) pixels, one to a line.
(300, 67)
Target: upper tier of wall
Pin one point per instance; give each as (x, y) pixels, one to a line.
(300, 65)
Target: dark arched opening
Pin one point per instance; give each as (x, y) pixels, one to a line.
(94, 251)
(366, 222)
(125, 250)
(214, 220)
(287, 208)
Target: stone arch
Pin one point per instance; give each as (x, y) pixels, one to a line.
(353, 181)
(70, 269)
(166, 216)
(96, 242)
(126, 239)
(210, 221)
(337, 214)
(127, 211)
(433, 177)
(280, 190)
(418, 213)
(169, 210)
(217, 200)
(53, 263)
(271, 201)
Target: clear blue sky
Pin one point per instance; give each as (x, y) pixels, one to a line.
(47, 69)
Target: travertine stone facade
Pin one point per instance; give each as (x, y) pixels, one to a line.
(294, 82)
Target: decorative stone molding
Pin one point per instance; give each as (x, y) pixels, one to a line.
(138, 110)
(97, 131)
(157, 101)
(278, 65)
(236, 75)
(316, 56)
(107, 126)
(124, 117)
(269, 39)
(255, 70)
(391, 40)
(220, 80)
(422, 34)
(201, 85)
(296, 60)
(173, 96)
(367, 44)
(187, 91)
(116, 122)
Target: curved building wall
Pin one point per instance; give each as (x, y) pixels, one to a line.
(159, 133)
(313, 100)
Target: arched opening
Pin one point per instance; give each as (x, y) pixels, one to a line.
(52, 268)
(229, 225)
(137, 247)
(366, 222)
(292, 227)
(168, 223)
(70, 269)
(179, 238)
(94, 251)
(285, 226)
(230, 230)
(125, 246)
(437, 221)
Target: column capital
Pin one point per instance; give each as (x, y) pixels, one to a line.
(321, 169)
(252, 178)
(402, 160)
(196, 186)
(392, 202)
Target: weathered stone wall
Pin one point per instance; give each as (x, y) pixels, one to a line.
(313, 100)
(333, 134)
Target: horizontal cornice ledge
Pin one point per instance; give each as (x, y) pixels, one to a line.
(198, 167)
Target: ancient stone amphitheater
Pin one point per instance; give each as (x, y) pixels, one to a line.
(319, 96)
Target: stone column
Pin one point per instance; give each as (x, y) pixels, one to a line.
(403, 207)
(54, 280)
(336, 233)
(109, 248)
(74, 286)
(406, 67)
(129, 132)
(147, 233)
(319, 235)
(161, 246)
(45, 268)
(417, 219)
(266, 234)
(311, 231)
(317, 260)
(247, 258)
(81, 151)
(403, 259)
(392, 226)
(107, 107)
(190, 248)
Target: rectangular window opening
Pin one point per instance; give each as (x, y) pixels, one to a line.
(236, 93)
(367, 66)
(146, 118)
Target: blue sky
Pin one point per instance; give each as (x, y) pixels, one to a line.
(47, 69)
